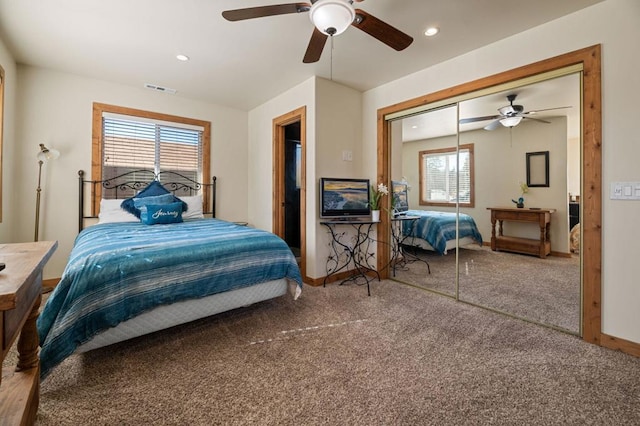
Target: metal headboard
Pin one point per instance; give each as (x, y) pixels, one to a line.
(127, 184)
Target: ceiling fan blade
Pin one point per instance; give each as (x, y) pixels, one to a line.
(546, 109)
(384, 32)
(493, 125)
(474, 119)
(261, 11)
(316, 44)
(537, 119)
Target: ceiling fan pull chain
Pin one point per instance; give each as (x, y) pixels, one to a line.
(331, 62)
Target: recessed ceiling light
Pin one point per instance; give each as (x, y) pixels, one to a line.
(183, 58)
(431, 31)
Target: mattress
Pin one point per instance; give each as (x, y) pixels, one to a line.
(186, 311)
(451, 244)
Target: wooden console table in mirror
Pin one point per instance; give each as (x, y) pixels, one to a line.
(20, 295)
(540, 247)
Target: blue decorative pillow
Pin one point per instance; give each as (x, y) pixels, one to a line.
(153, 214)
(154, 189)
(153, 199)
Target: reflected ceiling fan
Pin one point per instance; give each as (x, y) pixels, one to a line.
(510, 115)
(330, 17)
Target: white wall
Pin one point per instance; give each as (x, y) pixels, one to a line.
(338, 129)
(573, 166)
(260, 124)
(56, 109)
(261, 158)
(9, 167)
(612, 23)
(334, 124)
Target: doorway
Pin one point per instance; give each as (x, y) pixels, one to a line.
(292, 169)
(289, 194)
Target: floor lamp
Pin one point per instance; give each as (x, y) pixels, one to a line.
(45, 154)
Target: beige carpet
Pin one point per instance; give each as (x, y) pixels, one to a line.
(542, 290)
(336, 356)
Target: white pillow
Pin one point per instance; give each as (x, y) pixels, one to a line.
(194, 207)
(111, 212)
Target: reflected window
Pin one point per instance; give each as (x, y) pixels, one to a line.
(438, 180)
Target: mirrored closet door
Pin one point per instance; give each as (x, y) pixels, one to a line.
(527, 262)
(424, 148)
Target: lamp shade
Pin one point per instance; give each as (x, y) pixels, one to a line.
(332, 17)
(46, 154)
(510, 121)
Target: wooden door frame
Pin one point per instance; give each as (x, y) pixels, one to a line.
(591, 221)
(279, 124)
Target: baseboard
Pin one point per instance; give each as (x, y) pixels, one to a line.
(316, 282)
(619, 344)
(561, 254)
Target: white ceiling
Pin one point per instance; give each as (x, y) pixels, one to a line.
(243, 64)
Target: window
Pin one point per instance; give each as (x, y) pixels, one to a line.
(130, 140)
(438, 180)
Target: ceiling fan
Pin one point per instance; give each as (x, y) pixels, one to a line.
(510, 115)
(330, 17)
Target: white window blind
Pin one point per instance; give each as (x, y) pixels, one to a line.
(131, 144)
(440, 184)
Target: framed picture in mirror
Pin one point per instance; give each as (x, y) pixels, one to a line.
(538, 169)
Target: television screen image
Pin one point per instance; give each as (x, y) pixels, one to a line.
(400, 196)
(344, 197)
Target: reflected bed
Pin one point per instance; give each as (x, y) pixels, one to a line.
(436, 231)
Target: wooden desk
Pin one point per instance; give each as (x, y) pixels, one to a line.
(540, 247)
(20, 295)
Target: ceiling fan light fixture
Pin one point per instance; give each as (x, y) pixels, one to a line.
(332, 17)
(511, 121)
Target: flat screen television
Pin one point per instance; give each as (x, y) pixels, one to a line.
(344, 198)
(400, 193)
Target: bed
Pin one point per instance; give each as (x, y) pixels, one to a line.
(436, 231)
(125, 278)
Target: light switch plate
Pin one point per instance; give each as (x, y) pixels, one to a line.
(625, 191)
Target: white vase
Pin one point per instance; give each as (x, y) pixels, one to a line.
(375, 215)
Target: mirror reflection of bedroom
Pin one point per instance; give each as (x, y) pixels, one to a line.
(463, 165)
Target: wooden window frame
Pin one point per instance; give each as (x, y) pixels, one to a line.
(452, 150)
(97, 142)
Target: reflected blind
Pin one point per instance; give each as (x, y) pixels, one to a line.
(439, 173)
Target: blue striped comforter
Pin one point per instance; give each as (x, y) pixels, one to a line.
(117, 271)
(439, 227)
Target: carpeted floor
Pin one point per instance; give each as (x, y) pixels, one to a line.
(542, 290)
(336, 356)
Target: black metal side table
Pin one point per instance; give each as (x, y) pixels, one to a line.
(356, 251)
(399, 234)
